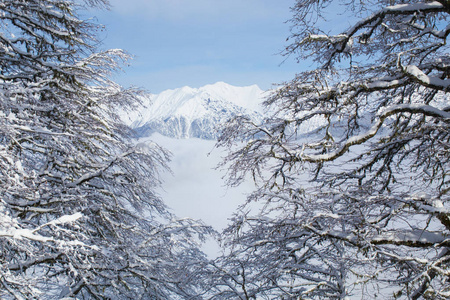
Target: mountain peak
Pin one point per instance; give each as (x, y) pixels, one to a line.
(194, 112)
(249, 97)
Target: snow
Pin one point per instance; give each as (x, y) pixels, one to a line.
(395, 9)
(415, 72)
(415, 236)
(416, 108)
(66, 219)
(249, 97)
(413, 7)
(426, 110)
(10, 228)
(194, 111)
(28, 234)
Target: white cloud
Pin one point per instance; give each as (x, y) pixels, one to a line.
(196, 190)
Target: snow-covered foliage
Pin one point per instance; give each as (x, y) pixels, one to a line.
(358, 207)
(78, 216)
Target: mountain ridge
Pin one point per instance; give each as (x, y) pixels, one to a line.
(194, 112)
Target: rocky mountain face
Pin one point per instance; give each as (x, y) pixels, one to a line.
(194, 112)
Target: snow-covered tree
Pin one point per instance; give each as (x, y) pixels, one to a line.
(78, 215)
(353, 164)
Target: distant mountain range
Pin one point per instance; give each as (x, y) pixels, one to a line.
(194, 112)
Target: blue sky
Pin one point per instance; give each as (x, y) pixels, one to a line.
(198, 42)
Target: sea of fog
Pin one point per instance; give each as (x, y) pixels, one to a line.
(195, 188)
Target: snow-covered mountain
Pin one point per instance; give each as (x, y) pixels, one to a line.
(194, 112)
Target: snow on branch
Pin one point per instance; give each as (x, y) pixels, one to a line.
(396, 9)
(426, 110)
(413, 7)
(384, 83)
(411, 238)
(342, 43)
(62, 220)
(429, 81)
(40, 131)
(33, 261)
(32, 235)
(90, 175)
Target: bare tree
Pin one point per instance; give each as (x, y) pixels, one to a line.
(79, 218)
(353, 164)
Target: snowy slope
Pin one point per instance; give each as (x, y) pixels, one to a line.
(194, 112)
